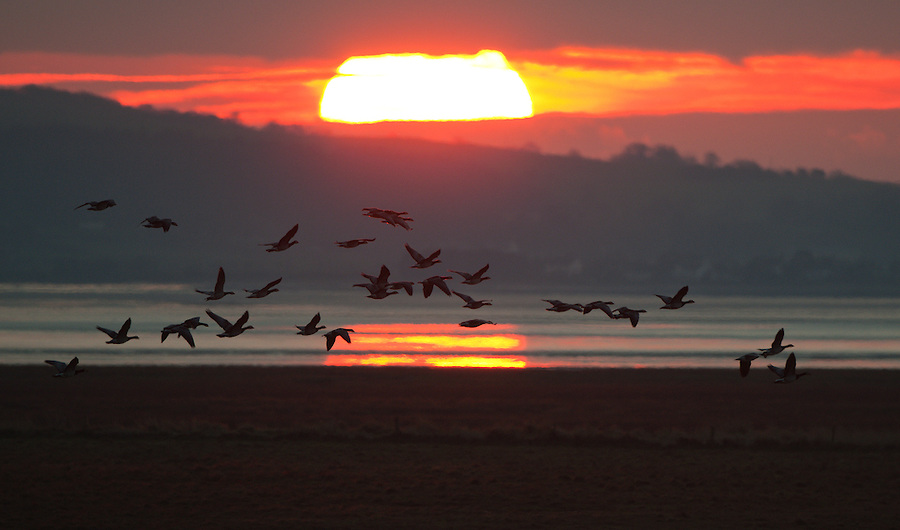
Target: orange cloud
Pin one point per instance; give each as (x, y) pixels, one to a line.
(625, 81)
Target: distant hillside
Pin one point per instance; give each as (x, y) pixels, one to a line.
(645, 218)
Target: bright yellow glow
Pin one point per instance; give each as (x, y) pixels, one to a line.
(439, 342)
(418, 87)
(438, 361)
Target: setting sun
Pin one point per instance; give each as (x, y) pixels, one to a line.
(418, 87)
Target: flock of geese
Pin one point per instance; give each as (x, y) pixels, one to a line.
(381, 286)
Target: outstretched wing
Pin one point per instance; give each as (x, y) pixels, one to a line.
(125, 327)
(271, 284)
(59, 365)
(220, 280)
(290, 233)
(243, 320)
(778, 371)
(681, 292)
(466, 298)
(224, 324)
(412, 252)
(112, 334)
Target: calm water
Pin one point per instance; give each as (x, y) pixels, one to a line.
(43, 321)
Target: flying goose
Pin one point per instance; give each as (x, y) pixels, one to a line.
(631, 314)
(421, 261)
(97, 206)
(428, 284)
(265, 291)
(183, 330)
(335, 333)
(471, 303)
(156, 222)
(560, 307)
(118, 337)
(312, 327)
(677, 301)
(602, 306)
(789, 373)
(474, 323)
(65, 370)
(218, 291)
(745, 362)
(389, 217)
(353, 243)
(776, 347)
(474, 278)
(229, 329)
(285, 242)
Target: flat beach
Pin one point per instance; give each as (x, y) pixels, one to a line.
(393, 447)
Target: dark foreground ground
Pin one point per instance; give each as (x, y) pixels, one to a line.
(318, 447)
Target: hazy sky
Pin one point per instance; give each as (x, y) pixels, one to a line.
(269, 61)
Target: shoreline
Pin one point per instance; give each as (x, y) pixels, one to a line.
(401, 447)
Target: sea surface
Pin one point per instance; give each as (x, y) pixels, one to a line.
(58, 321)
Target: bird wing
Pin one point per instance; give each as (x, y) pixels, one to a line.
(220, 280)
(125, 327)
(412, 252)
(681, 292)
(481, 271)
(314, 321)
(665, 299)
(442, 285)
(329, 340)
(85, 204)
(465, 297)
(634, 316)
(243, 320)
(778, 371)
(59, 365)
(383, 275)
(465, 275)
(224, 324)
(344, 333)
(434, 255)
(186, 335)
(427, 287)
(745, 367)
(112, 334)
(790, 367)
(271, 284)
(290, 233)
(778, 338)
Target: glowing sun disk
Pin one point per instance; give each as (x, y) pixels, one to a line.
(418, 87)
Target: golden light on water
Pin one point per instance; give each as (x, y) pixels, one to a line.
(419, 87)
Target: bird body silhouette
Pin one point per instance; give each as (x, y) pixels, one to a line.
(118, 337)
(330, 337)
(98, 206)
(788, 374)
(229, 329)
(285, 242)
(312, 327)
(776, 346)
(421, 261)
(265, 291)
(218, 291)
(156, 222)
(66, 370)
(677, 301)
(476, 277)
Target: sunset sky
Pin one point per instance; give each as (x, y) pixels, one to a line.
(804, 83)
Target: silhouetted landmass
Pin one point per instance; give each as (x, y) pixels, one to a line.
(647, 217)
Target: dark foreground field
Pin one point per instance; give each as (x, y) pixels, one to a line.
(316, 447)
